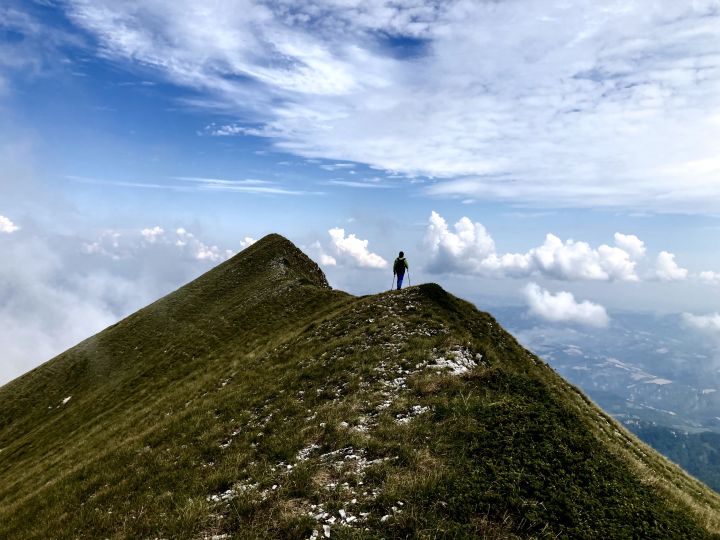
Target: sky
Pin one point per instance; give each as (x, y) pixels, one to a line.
(562, 155)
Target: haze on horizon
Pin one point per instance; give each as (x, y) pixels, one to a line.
(559, 155)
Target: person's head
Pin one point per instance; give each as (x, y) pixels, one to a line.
(401, 254)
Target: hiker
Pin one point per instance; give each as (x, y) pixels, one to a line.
(399, 267)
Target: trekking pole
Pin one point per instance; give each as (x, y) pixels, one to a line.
(393, 282)
(409, 284)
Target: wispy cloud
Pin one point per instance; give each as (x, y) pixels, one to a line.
(363, 185)
(125, 183)
(199, 184)
(225, 130)
(613, 104)
(222, 181)
(337, 166)
(30, 47)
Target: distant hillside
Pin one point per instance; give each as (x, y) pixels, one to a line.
(648, 372)
(257, 402)
(697, 453)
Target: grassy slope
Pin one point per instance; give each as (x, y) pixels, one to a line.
(185, 415)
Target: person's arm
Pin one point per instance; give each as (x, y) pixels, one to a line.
(407, 265)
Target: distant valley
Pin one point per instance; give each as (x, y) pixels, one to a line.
(650, 372)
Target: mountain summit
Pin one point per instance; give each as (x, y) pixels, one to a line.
(257, 402)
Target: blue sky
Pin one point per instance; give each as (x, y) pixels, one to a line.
(143, 142)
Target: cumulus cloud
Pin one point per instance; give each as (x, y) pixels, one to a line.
(613, 104)
(666, 269)
(631, 244)
(462, 251)
(344, 249)
(470, 249)
(353, 251)
(562, 307)
(151, 235)
(7, 226)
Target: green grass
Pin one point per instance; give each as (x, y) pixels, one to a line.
(217, 388)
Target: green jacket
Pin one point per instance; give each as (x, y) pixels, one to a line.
(400, 265)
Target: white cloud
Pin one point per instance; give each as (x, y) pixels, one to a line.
(709, 324)
(562, 307)
(611, 104)
(462, 251)
(212, 253)
(344, 250)
(317, 251)
(151, 235)
(327, 260)
(225, 130)
(666, 269)
(197, 248)
(631, 244)
(7, 226)
(709, 276)
(471, 250)
(119, 245)
(353, 251)
(59, 290)
(247, 242)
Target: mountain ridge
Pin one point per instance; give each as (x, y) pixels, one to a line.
(183, 416)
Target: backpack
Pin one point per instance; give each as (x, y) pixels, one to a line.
(399, 266)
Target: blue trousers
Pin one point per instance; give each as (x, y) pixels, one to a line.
(400, 280)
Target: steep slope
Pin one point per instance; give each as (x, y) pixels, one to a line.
(256, 402)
